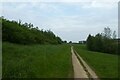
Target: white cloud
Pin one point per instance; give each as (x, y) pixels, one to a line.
(96, 4)
(69, 27)
(58, 0)
(1, 9)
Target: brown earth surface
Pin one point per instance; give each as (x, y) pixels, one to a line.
(81, 68)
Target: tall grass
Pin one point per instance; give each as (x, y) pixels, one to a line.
(0, 58)
(36, 61)
(105, 65)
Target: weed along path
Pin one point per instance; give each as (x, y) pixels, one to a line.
(80, 67)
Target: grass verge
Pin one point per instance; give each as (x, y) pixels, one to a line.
(36, 61)
(105, 65)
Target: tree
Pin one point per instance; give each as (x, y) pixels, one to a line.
(90, 42)
(64, 41)
(70, 41)
(114, 35)
(98, 42)
(107, 32)
(16, 32)
(25, 24)
(19, 22)
(103, 42)
(80, 42)
(30, 25)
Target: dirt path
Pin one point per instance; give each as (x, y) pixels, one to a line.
(79, 71)
(80, 67)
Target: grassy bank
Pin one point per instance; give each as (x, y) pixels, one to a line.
(36, 61)
(105, 65)
(0, 58)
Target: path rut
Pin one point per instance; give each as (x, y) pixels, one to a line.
(80, 67)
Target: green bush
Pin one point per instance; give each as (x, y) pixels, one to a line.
(25, 33)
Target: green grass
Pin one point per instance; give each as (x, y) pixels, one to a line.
(105, 65)
(0, 58)
(36, 61)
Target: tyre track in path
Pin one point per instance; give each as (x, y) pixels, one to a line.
(80, 67)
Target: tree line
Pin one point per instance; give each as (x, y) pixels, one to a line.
(26, 33)
(103, 42)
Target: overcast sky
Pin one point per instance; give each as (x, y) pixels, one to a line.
(72, 21)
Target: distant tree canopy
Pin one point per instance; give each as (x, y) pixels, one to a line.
(103, 42)
(70, 41)
(64, 41)
(26, 33)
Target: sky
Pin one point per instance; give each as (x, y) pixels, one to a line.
(69, 19)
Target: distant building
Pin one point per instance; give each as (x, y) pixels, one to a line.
(82, 42)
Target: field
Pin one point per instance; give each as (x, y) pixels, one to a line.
(53, 61)
(36, 61)
(0, 59)
(105, 65)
